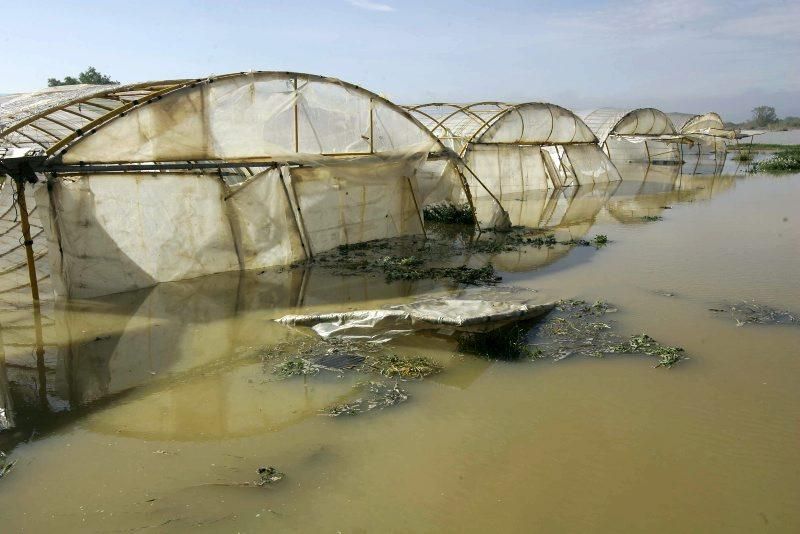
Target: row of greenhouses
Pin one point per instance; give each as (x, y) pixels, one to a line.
(151, 182)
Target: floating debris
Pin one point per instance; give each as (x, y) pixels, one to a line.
(296, 366)
(6, 465)
(379, 395)
(573, 329)
(269, 475)
(644, 344)
(652, 218)
(754, 313)
(415, 258)
(392, 365)
(339, 355)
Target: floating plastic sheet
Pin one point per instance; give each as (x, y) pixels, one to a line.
(481, 311)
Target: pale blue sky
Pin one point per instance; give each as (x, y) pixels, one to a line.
(681, 55)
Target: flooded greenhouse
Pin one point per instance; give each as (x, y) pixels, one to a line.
(635, 135)
(224, 305)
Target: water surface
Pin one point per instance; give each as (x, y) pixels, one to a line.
(149, 409)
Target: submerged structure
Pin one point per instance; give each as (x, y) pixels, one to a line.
(509, 148)
(709, 141)
(176, 179)
(635, 135)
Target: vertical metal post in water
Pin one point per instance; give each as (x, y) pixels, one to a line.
(26, 236)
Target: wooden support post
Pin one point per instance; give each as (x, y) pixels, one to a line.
(26, 236)
(416, 206)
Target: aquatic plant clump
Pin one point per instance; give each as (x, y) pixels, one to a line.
(754, 313)
(787, 160)
(337, 355)
(269, 475)
(651, 218)
(575, 329)
(394, 366)
(295, 366)
(644, 344)
(448, 213)
(378, 396)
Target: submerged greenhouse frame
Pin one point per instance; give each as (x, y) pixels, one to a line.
(510, 148)
(709, 139)
(145, 181)
(634, 135)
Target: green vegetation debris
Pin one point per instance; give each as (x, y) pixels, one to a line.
(448, 213)
(786, 160)
(339, 355)
(754, 313)
(651, 218)
(269, 475)
(6, 465)
(575, 329)
(394, 366)
(644, 344)
(295, 366)
(416, 258)
(378, 395)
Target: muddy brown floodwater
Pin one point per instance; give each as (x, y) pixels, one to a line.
(154, 410)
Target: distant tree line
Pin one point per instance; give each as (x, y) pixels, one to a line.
(89, 76)
(764, 117)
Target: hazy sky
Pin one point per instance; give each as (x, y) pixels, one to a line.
(680, 55)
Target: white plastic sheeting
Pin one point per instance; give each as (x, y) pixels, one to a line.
(110, 232)
(513, 148)
(442, 315)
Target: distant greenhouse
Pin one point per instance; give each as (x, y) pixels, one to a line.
(634, 135)
(516, 147)
(168, 180)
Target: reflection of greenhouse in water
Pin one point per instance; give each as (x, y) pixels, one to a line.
(162, 343)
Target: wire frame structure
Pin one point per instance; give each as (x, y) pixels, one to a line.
(176, 179)
(512, 148)
(634, 135)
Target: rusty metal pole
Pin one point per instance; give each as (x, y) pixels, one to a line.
(26, 236)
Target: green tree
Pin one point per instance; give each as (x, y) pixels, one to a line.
(90, 76)
(764, 116)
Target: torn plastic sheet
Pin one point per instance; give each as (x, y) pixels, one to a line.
(471, 311)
